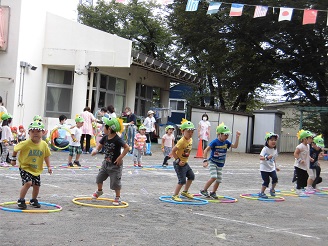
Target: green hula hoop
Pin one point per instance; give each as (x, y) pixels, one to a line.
(50, 137)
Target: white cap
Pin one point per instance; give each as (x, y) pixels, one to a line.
(150, 112)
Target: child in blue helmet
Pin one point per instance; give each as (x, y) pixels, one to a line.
(268, 165)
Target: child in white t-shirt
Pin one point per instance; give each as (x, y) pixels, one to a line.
(167, 143)
(74, 143)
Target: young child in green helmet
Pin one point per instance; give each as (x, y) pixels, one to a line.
(32, 153)
(112, 164)
(167, 143)
(218, 150)
(74, 143)
(181, 152)
(315, 169)
(6, 138)
(302, 160)
(268, 164)
(139, 146)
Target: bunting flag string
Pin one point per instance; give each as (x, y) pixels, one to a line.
(285, 13)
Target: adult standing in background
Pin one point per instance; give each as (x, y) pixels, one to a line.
(149, 123)
(130, 130)
(87, 129)
(204, 130)
(111, 111)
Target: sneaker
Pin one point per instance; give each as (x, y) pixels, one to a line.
(272, 192)
(187, 194)
(139, 165)
(4, 164)
(213, 195)
(117, 201)
(176, 198)
(263, 195)
(300, 192)
(35, 203)
(165, 164)
(21, 204)
(135, 164)
(70, 164)
(204, 193)
(309, 189)
(77, 163)
(97, 194)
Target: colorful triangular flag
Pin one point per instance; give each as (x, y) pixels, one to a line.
(310, 16)
(192, 5)
(260, 11)
(236, 9)
(213, 8)
(285, 14)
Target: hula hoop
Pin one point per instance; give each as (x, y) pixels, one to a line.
(75, 200)
(221, 199)
(50, 137)
(75, 167)
(291, 193)
(58, 208)
(195, 201)
(269, 199)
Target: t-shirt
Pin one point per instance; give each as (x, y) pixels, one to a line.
(268, 165)
(112, 147)
(6, 134)
(219, 151)
(168, 139)
(149, 123)
(31, 156)
(314, 155)
(304, 155)
(77, 132)
(184, 148)
(204, 133)
(141, 140)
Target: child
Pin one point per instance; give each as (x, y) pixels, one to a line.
(218, 148)
(74, 145)
(181, 152)
(167, 143)
(268, 165)
(14, 133)
(21, 135)
(302, 160)
(315, 169)
(32, 154)
(113, 163)
(139, 146)
(6, 138)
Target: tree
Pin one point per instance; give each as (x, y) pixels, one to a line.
(134, 21)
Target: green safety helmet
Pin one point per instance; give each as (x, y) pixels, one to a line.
(37, 117)
(318, 140)
(79, 119)
(142, 127)
(114, 123)
(169, 127)
(269, 135)
(304, 134)
(222, 129)
(6, 116)
(36, 125)
(187, 125)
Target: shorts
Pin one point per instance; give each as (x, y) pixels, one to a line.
(167, 151)
(76, 149)
(183, 172)
(312, 173)
(215, 172)
(109, 169)
(28, 177)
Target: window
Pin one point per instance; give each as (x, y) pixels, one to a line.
(59, 93)
(146, 97)
(177, 105)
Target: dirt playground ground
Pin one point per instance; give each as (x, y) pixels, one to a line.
(149, 221)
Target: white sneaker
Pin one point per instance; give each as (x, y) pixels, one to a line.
(4, 164)
(300, 192)
(309, 189)
(117, 201)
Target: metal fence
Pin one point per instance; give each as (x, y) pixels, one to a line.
(287, 143)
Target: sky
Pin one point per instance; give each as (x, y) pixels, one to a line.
(64, 8)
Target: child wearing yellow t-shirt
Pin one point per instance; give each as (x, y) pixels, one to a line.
(32, 154)
(181, 152)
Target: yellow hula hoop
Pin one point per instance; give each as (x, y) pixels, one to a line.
(76, 201)
(52, 132)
